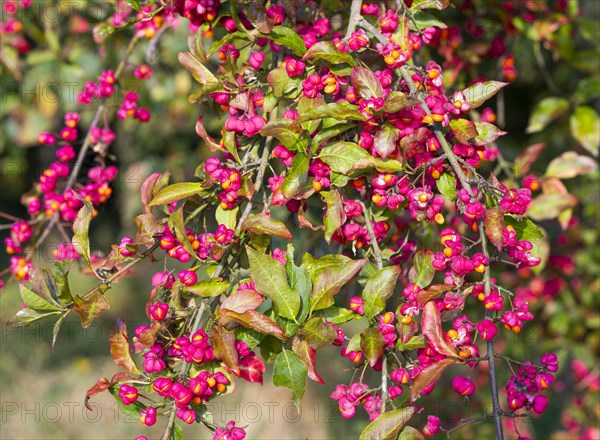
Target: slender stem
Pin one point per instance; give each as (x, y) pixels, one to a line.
(384, 384)
(121, 271)
(539, 58)
(373, 30)
(374, 245)
(354, 17)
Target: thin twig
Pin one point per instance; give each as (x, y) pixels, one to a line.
(354, 16)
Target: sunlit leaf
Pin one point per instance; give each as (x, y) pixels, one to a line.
(388, 425)
(289, 371)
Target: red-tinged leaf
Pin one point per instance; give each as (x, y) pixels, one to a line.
(264, 224)
(406, 331)
(153, 183)
(569, 165)
(119, 348)
(147, 338)
(252, 369)
(329, 274)
(431, 326)
(90, 309)
(366, 83)
(385, 140)
(422, 271)
(527, 158)
(100, 386)
(119, 378)
(307, 355)
(486, 133)
(208, 140)
(433, 292)
(494, 226)
(408, 142)
(388, 425)
(371, 344)
(242, 300)
(208, 82)
(224, 344)
(335, 216)
(428, 376)
(254, 320)
(549, 206)
(478, 93)
(463, 129)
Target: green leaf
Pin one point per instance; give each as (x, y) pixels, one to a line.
(337, 315)
(525, 229)
(366, 83)
(414, 343)
(335, 216)
(35, 301)
(227, 217)
(280, 82)
(330, 128)
(478, 93)
(90, 309)
(329, 274)
(296, 177)
(60, 272)
(176, 192)
(570, 164)
(265, 224)
(371, 344)
(422, 272)
(300, 282)
(317, 333)
(385, 140)
(289, 371)
(384, 166)
(81, 227)
(134, 4)
(28, 316)
(585, 127)
(378, 289)
(486, 133)
(447, 186)
(226, 39)
(327, 51)
(176, 223)
(270, 280)
(546, 111)
(463, 129)
(388, 425)
(208, 82)
(342, 111)
(588, 88)
(341, 156)
(422, 20)
(287, 132)
(208, 288)
(288, 38)
(307, 355)
(56, 328)
(410, 433)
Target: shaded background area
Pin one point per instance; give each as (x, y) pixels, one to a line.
(42, 393)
